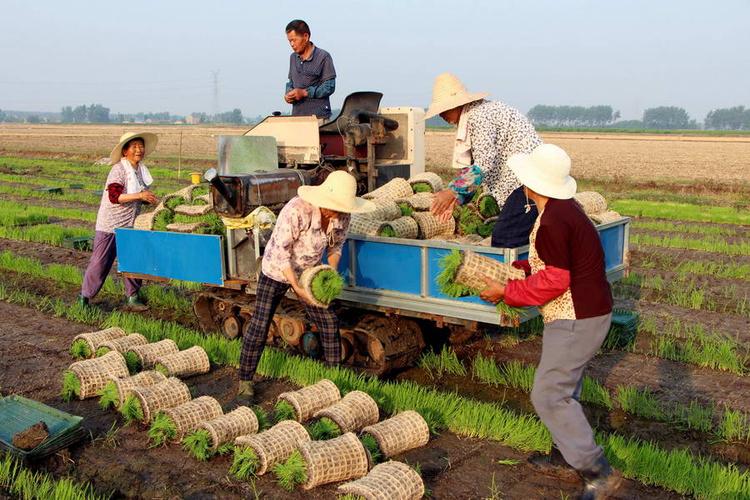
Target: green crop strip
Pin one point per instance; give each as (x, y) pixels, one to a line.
(714, 245)
(49, 234)
(436, 365)
(20, 482)
(672, 227)
(681, 211)
(678, 470)
(723, 270)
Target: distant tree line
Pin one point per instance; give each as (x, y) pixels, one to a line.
(572, 116)
(95, 113)
(736, 118)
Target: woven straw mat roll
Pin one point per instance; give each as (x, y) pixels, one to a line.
(94, 339)
(387, 481)
(193, 210)
(420, 202)
(94, 373)
(166, 394)
(392, 190)
(333, 460)
(276, 444)
(126, 384)
(123, 344)
(149, 353)
(312, 398)
(605, 217)
(400, 433)
(387, 210)
(404, 227)
(225, 428)
(306, 279)
(475, 266)
(185, 363)
(430, 178)
(430, 226)
(186, 193)
(592, 202)
(361, 224)
(145, 221)
(189, 416)
(354, 411)
(185, 227)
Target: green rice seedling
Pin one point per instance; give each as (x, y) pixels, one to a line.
(488, 207)
(487, 371)
(225, 449)
(681, 211)
(198, 444)
(595, 393)
(371, 445)
(406, 209)
(101, 351)
(327, 285)
(387, 232)
(71, 386)
(199, 191)
(175, 202)
(291, 473)
(263, 420)
(283, 410)
(513, 314)
(508, 461)
(485, 229)
(468, 220)
(162, 220)
(324, 429)
(80, 349)
(162, 369)
(694, 416)
(682, 228)
(133, 362)
(734, 426)
(109, 396)
(162, 430)
(131, 409)
(518, 375)
(639, 402)
(436, 365)
(449, 265)
(422, 187)
(245, 463)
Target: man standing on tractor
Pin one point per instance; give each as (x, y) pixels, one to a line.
(312, 77)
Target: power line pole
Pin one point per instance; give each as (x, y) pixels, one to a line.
(215, 74)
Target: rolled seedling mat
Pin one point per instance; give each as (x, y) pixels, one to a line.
(226, 428)
(322, 284)
(387, 481)
(392, 190)
(189, 416)
(354, 411)
(148, 354)
(167, 394)
(312, 398)
(430, 226)
(192, 361)
(605, 217)
(145, 221)
(193, 210)
(403, 227)
(93, 374)
(361, 224)
(123, 344)
(274, 445)
(185, 193)
(206, 198)
(404, 431)
(474, 267)
(185, 227)
(487, 205)
(592, 202)
(124, 385)
(94, 339)
(426, 182)
(419, 202)
(338, 459)
(387, 210)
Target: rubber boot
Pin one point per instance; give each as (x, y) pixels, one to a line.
(82, 301)
(601, 481)
(134, 303)
(246, 392)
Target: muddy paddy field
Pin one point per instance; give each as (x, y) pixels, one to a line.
(670, 405)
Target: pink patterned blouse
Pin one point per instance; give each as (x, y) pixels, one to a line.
(298, 240)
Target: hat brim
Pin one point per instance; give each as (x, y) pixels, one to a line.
(149, 142)
(458, 100)
(529, 174)
(317, 197)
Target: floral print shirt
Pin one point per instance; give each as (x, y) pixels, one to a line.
(497, 131)
(466, 183)
(298, 240)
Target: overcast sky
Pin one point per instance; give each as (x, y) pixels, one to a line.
(154, 55)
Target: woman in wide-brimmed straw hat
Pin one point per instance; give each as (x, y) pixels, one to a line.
(127, 187)
(312, 223)
(567, 280)
(488, 133)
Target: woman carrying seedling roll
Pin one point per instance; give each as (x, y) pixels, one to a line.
(313, 222)
(566, 278)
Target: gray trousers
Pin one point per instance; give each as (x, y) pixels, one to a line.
(567, 345)
(102, 258)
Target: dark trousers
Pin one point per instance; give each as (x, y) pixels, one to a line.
(102, 258)
(267, 298)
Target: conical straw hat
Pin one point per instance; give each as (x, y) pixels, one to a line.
(447, 93)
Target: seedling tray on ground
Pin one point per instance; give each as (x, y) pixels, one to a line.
(80, 243)
(18, 413)
(50, 190)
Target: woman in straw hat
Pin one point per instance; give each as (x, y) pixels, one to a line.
(127, 187)
(568, 281)
(488, 133)
(313, 222)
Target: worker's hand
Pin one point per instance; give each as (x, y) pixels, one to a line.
(494, 292)
(288, 98)
(149, 197)
(443, 204)
(296, 94)
(303, 296)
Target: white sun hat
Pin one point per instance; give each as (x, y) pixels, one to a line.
(447, 93)
(149, 143)
(546, 171)
(338, 192)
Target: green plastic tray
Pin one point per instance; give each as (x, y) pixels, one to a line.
(18, 413)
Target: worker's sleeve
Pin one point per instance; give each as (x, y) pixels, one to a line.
(325, 89)
(485, 136)
(523, 265)
(116, 182)
(288, 86)
(466, 183)
(339, 236)
(288, 227)
(114, 191)
(537, 289)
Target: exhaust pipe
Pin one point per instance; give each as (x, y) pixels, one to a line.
(213, 177)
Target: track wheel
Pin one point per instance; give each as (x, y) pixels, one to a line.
(391, 342)
(231, 327)
(202, 307)
(291, 330)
